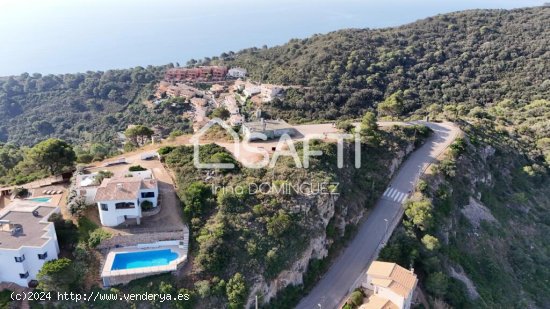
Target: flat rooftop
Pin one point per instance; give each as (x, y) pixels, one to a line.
(258, 126)
(34, 226)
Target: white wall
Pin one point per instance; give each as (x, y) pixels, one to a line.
(10, 269)
(113, 216)
(153, 200)
(389, 294)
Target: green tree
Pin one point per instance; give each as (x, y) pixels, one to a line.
(356, 298)
(220, 112)
(102, 175)
(189, 299)
(236, 291)
(392, 106)
(97, 236)
(430, 242)
(420, 213)
(57, 275)
(139, 134)
(369, 127)
(437, 284)
(53, 155)
(279, 224)
(345, 126)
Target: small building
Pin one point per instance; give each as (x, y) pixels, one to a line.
(270, 128)
(392, 285)
(236, 120)
(119, 199)
(251, 89)
(270, 92)
(237, 72)
(27, 241)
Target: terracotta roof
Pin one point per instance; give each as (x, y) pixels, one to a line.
(392, 276)
(377, 302)
(115, 189)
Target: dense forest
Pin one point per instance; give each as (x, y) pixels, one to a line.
(472, 58)
(81, 108)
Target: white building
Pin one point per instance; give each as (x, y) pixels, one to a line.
(270, 92)
(392, 285)
(27, 241)
(86, 184)
(119, 199)
(251, 89)
(237, 72)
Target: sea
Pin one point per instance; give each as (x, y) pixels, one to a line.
(69, 36)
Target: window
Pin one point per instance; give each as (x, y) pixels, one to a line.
(124, 205)
(147, 194)
(104, 207)
(20, 259)
(43, 256)
(24, 276)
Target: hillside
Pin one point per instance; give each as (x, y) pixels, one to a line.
(482, 241)
(467, 59)
(476, 230)
(81, 108)
(472, 58)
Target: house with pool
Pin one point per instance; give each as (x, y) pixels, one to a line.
(121, 199)
(27, 240)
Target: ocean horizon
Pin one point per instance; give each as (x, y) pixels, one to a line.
(62, 36)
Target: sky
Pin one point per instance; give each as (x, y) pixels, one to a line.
(67, 36)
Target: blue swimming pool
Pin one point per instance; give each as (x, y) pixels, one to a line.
(41, 199)
(141, 259)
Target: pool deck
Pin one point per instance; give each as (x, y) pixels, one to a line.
(172, 266)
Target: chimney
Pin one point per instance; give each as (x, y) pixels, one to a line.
(119, 186)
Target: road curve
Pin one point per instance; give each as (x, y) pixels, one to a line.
(346, 272)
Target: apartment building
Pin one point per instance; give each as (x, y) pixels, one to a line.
(27, 241)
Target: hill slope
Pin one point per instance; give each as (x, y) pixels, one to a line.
(472, 57)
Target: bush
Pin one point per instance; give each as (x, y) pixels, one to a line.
(165, 150)
(136, 168)
(97, 236)
(146, 205)
(356, 298)
(20, 192)
(57, 275)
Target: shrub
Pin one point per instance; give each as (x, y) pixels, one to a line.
(430, 242)
(20, 192)
(236, 291)
(57, 275)
(136, 168)
(146, 205)
(356, 298)
(97, 236)
(165, 150)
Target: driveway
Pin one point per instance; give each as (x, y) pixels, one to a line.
(170, 216)
(349, 268)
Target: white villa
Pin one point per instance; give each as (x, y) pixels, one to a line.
(392, 285)
(119, 199)
(251, 89)
(27, 241)
(270, 92)
(237, 72)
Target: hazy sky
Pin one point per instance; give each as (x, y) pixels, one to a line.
(59, 36)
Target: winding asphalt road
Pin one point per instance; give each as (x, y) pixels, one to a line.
(347, 272)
